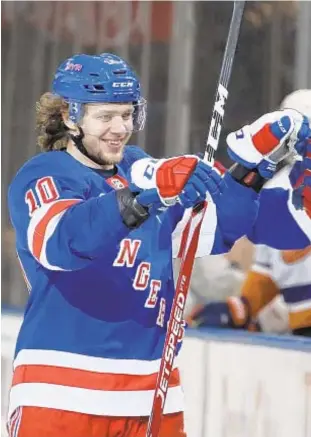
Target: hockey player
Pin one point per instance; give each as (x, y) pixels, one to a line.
(276, 294)
(94, 222)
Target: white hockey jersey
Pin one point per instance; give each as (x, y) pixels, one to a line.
(281, 272)
(285, 272)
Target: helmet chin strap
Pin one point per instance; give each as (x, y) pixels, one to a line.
(77, 139)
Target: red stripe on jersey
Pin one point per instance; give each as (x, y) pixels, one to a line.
(40, 229)
(264, 140)
(87, 379)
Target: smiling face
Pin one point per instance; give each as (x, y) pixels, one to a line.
(107, 128)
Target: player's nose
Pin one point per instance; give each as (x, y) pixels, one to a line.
(117, 125)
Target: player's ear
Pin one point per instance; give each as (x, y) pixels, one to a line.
(72, 126)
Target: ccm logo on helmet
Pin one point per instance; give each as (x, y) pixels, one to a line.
(112, 61)
(122, 84)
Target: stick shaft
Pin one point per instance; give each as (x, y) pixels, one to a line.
(223, 82)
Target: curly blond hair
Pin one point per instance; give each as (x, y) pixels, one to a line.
(52, 131)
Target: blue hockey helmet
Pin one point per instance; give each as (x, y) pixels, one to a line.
(104, 78)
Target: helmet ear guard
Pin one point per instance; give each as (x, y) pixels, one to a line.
(76, 111)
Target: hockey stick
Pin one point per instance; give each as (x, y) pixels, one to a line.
(192, 231)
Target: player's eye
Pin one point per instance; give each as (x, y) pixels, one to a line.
(127, 115)
(105, 117)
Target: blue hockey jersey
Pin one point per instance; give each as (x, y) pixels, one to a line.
(100, 294)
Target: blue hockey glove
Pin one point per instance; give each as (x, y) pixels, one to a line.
(164, 182)
(270, 139)
(232, 313)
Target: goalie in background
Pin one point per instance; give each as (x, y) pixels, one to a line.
(275, 295)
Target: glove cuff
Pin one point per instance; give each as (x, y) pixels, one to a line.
(248, 178)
